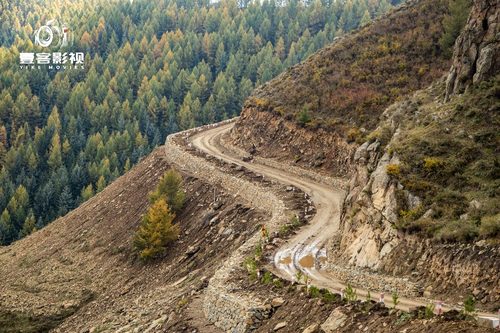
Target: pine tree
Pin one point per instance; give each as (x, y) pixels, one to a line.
(87, 193)
(29, 226)
(170, 188)
(156, 231)
(6, 228)
(454, 23)
(53, 120)
(101, 184)
(365, 19)
(65, 201)
(55, 156)
(186, 116)
(126, 167)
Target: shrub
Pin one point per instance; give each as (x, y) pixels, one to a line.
(156, 231)
(469, 305)
(429, 310)
(267, 278)
(382, 134)
(258, 251)
(303, 117)
(327, 296)
(454, 23)
(350, 294)
(393, 170)
(458, 230)
(490, 226)
(278, 283)
(403, 318)
(395, 298)
(251, 266)
(295, 222)
(433, 164)
(298, 276)
(285, 229)
(407, 217)
(314, 292)
(353, 134)
(170, 188)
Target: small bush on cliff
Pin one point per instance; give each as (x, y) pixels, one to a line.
(170, 188)
(490, 226)
(156, 231)
(458, 230)
(250, 265)
(433, 164)
(453, 23)
(303, 117)
(314, 292)
(395, 298)
(469, 306)
(429, 311)
(350, 294)
(393, 170)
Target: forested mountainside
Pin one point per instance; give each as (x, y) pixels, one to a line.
(151, 68)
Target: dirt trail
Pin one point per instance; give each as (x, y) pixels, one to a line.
(305, 250)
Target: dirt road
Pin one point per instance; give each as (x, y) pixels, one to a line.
(305, 250)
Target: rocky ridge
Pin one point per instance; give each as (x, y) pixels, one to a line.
(475, 57)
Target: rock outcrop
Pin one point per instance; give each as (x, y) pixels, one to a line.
(476, 53)
(370, 238)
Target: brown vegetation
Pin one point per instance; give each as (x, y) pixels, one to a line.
(348, 84)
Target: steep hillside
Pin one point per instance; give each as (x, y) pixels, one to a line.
(423, 164)
(80, 274)
(337, 95)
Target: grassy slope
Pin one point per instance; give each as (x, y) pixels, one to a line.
(450, 158)
(347, 85)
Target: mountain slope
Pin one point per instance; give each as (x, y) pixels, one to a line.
(338, 94)
(80, 272)
(423, 165)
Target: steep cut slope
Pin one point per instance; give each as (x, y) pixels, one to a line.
(338, 94)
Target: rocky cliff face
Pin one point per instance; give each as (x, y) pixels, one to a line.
(369, 238)
(475, 57)
(371, 209)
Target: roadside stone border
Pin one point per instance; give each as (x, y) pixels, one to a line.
(225, 305)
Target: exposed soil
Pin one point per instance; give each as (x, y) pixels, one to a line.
(79, 273)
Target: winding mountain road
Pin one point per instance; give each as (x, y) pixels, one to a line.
(306, 249)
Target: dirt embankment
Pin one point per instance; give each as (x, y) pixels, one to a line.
(271, 136)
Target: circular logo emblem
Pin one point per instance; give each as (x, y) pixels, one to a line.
(51, 33)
